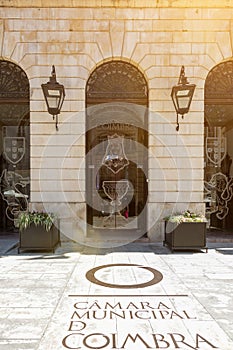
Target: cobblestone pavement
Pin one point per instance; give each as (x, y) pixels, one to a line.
(135, 297)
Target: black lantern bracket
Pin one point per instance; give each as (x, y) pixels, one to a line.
(54, 94)
(182, 95)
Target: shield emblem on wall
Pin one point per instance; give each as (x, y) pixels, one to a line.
(215, 148)
(14, 149)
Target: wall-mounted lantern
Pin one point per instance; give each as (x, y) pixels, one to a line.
(182, 95)
(54, 94)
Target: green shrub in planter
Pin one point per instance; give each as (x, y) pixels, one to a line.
(186, 216)
(38, 231)
(185, 231)
(26, 219)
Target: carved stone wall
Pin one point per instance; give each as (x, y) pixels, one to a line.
(78, 37)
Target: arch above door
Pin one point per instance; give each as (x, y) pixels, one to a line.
(219, 95)
(116, 81)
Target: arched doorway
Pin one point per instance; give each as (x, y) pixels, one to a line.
(219, 146)
(116, 149)
(14, 144)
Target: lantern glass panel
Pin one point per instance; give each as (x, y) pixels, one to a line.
(53, 93)
(182, 93)
(183, 102)
(53, 102)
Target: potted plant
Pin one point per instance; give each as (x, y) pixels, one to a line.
(38, 231)
(185, 230)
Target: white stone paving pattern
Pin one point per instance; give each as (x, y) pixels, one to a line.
(48, 303)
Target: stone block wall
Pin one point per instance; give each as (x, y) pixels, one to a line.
(158, 37)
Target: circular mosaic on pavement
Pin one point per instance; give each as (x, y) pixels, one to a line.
(157, 277)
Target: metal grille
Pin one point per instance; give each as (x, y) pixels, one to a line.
(14, 83)
(116, 80)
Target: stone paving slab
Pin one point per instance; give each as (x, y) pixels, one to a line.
(7, 243)
(87, 298)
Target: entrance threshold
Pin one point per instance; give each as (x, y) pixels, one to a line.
(119, 236)
(219, 236)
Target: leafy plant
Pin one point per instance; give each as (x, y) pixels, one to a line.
(25, 219)
(186, 216)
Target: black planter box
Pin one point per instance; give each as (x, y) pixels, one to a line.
(186, 235)
(37, 238)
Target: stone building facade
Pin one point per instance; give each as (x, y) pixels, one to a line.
(154, 38)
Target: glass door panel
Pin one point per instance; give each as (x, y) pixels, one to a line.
(117, 174)
(15, 174)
